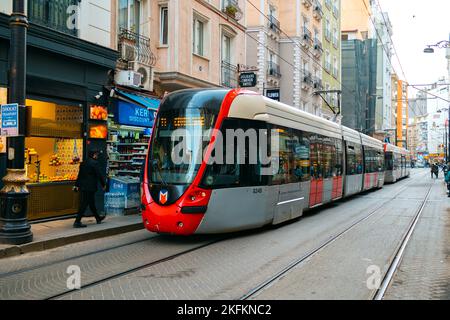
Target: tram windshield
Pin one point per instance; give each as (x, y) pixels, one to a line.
(181, 134)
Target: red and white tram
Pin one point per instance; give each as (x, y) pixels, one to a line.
(319, 162)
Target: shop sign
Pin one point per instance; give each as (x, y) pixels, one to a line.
(134, 115)
(10, 120)
(247, 79)
(273, 94)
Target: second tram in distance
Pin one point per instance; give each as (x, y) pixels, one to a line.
(319, 162)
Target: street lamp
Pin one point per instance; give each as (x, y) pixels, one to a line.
(14, 226)
(441, 45)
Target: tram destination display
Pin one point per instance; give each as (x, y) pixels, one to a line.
(247, 79)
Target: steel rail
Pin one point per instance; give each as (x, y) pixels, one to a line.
(263, 285)
(401, 250)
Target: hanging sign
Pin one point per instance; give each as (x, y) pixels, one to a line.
(10, 120)
(247, 79)
(273, 94)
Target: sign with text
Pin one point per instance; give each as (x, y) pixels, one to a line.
(273, 94)
(247, 79)
(10, 120)
(134, 115)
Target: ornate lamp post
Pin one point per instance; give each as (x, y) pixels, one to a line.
(14, 226)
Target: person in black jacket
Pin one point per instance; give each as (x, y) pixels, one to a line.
(88, 178)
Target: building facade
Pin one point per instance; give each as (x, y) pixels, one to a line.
(331, 59)
(198, 43)
(284, 43)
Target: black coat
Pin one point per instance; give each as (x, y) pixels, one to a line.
(89, 176)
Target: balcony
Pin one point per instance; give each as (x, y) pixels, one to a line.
(335, 11)
(273, 69)
(229, 78)
(134, 47)
(307, 3)
(317, 11)
(317, 83)
(231, 8)
(318, 47)
(327, 35)
(307, 37)
(274, 24)
(307, 79)
(52, 14)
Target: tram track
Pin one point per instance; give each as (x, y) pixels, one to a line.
(137, 268)
(399, 253)
(277, 276)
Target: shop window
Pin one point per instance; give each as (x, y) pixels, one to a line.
(3, 95)
(54, 120)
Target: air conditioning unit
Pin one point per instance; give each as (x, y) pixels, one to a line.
(146, 72)
(128, 78)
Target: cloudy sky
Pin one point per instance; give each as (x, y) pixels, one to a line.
(417, 23)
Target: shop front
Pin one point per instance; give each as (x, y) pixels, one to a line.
(129, 129)
(66, 76)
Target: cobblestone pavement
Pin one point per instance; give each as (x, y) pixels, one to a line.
(224, 270)
(424, 272)
(229, 269)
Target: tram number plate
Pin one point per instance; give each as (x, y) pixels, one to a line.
(257, 190)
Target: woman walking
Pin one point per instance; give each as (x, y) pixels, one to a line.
(88, 178)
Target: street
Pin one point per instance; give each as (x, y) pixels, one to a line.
(340, 251)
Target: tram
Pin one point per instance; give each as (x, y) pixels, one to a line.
(318, 162)
(397, 163)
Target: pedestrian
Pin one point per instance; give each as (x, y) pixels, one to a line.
(436, 170)
(432, 170)
(447, 181)
(87, 183)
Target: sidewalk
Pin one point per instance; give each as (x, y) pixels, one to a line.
(52, 234)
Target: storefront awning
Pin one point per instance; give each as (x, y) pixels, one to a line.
(145, 101)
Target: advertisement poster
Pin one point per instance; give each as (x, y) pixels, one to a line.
(10, 120)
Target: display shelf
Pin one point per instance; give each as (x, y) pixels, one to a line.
(128, 171)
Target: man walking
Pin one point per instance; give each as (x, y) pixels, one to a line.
(88, 178)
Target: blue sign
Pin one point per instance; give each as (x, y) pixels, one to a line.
(134, 115)
(10, 119)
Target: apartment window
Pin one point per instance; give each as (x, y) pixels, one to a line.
(199, 37)
(129, 15)
(164, 26)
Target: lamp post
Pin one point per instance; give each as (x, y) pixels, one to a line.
(444, 44)
(14, 226)
(440, 45)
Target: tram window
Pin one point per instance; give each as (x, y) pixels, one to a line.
(223, 175)
(285, 158)
(351, 160)
(359, 159)
(380, 161)
(316, 157)
(389, 161)
(301, 152)
(328, 157)
(339, 158)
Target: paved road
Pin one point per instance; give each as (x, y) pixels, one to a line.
(216, 268)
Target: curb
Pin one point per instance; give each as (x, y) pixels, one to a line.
(48, 244)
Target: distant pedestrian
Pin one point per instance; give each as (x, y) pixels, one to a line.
(87, 183)
(447, 181)
(435, 170)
